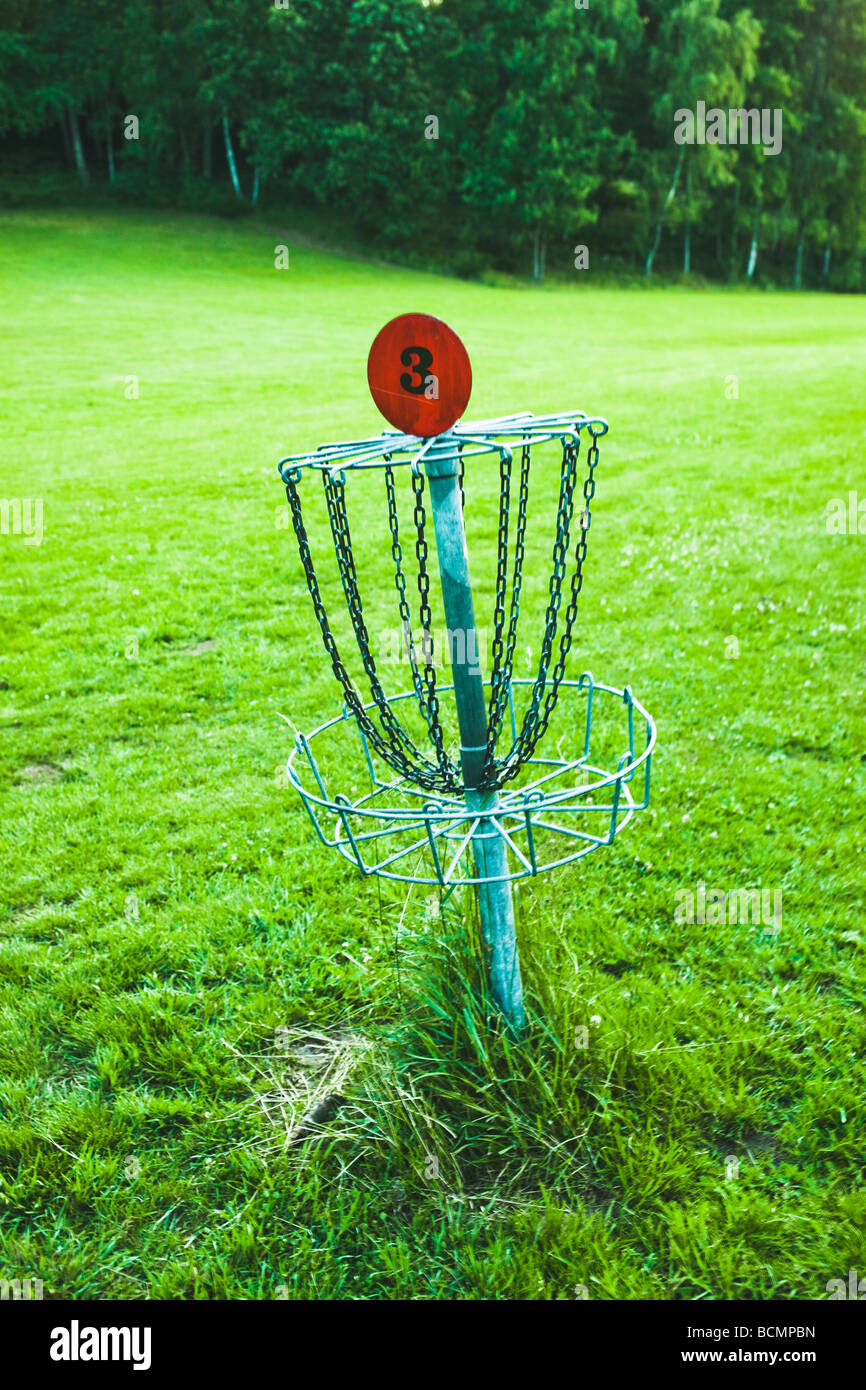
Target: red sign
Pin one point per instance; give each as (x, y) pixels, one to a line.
(419, 374)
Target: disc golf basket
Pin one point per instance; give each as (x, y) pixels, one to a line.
(490, 777)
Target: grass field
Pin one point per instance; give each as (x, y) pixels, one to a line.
(184, 971)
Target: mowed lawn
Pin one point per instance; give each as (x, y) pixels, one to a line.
(184, 973)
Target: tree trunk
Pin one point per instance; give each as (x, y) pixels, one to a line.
(798, 261)
(255, 197)
(78, 149)
(756, 228)
(687, 235)
(648, 269)
(825, 269)
(230, 156)
(651, 254)
(184, 153)
(67, 143)
(207, 151)
(733, 266)
(109, 144)
(538, 255)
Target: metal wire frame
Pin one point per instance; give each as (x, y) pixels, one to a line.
(392, 447)
(334, 461)
(438, 824)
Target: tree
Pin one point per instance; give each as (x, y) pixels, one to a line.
(695, 56)
(826, 156)
(528, 108)
(472, 132)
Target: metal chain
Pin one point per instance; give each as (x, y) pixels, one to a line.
(350, 694)
(335, 496)
(498, 685)
(576, 586)
(537, 717)
(387, 737)
(425, 690)
(503, 663)
(450, 771)
(525, 741)
(400, 580)
(392, 754)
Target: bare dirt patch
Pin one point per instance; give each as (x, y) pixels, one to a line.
(208, 645)
(299, 1083)
(38, 774)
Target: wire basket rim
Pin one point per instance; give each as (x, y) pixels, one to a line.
(442, 806)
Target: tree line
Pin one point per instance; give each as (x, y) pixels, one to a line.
(521, 134)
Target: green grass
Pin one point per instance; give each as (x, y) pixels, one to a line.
(184, 971)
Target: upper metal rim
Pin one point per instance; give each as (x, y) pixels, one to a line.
(481, 437)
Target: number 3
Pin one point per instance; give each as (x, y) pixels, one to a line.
(419, 368)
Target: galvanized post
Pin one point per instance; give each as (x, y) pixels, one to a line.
(496, 908)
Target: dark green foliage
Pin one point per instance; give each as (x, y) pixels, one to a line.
(555, 123)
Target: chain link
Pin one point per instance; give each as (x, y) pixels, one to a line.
(538, 715)
(424, 681)
(449, 769)
(497, 683)
(386, 735)
(503, 655)
(335, 494)
(389, 740)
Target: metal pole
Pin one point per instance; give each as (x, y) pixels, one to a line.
(496, 908)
